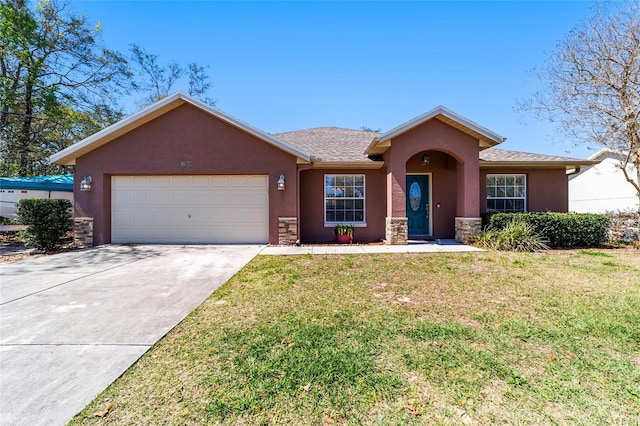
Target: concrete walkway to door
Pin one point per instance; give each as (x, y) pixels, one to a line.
(72, 323)
(437, 246)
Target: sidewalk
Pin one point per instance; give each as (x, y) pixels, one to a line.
(444, 246)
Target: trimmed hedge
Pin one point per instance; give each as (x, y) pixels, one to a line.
(48, 221)
(561, 230)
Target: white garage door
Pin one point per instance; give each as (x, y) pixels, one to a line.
(189, 209)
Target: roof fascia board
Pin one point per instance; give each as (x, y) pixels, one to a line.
(441, 110)
(493, 137)
(375, 147)
(604, 151)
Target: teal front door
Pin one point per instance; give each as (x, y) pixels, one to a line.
(418, 205)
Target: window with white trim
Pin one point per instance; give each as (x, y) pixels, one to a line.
(506, 193)
(344, 199)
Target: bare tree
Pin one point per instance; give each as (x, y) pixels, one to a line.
(157, 80)
(592, 85)
(199, 84)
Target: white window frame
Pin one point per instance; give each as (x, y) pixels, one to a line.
(331, 224)
(515, 175)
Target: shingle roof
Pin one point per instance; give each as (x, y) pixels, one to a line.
(496, 155)
(334, 144)
(330, 144)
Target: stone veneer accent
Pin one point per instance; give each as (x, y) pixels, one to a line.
(467, 228)
(396, 230)
(83, 231)
(287, 231)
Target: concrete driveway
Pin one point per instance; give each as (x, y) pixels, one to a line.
(72, 323)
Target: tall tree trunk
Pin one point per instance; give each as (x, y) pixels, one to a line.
(24, 137)
(638, 194)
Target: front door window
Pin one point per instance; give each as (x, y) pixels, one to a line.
(415, 196)
(418, 208)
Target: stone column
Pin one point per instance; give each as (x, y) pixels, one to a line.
(396, 230)
(83, 232)
(467, 228)
(287, 231)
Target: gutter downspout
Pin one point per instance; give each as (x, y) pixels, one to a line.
(574, 172)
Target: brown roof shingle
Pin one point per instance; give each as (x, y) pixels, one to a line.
(334, 144)
(503, 156)
(330, 144)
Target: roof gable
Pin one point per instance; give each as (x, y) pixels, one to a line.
(486, 137)
(608, 153)
(69, 155)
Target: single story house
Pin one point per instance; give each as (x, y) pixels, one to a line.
(602, 187)
(181, 171)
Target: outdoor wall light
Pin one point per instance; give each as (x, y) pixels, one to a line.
(85, 183)
(425, 160)
(281, 183)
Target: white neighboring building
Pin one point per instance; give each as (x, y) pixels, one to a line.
(602, 187)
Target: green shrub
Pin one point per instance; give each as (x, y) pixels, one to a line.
(48, 221)
(516, 235)
(561, 230)
(7, 221)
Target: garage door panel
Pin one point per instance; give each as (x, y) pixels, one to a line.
(159, 216)
(190, 209)
(239, 181)
(205, 202)
(159, 199)
(258, 199)
(238, 199)
(200, 181)
(178, 198)
(119, 197)
(250, 218)
(139, 182)
(175, 234)
(121, 182)
(139, 199)
(179, 182)
(159, 182)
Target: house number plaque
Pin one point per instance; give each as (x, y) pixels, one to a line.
(186, 163)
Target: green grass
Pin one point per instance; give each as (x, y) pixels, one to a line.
(543, 338)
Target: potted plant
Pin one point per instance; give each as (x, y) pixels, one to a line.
(344, 233)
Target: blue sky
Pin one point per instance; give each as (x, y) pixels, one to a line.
(284, 66)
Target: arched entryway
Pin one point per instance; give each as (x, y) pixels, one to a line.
(431, 195)
(454, 148)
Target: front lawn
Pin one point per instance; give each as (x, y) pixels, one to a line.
(482, 338)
